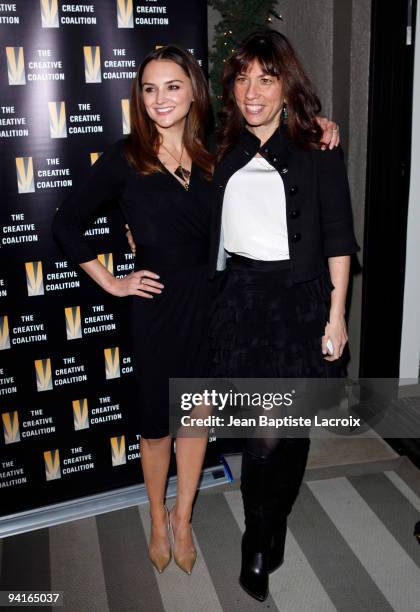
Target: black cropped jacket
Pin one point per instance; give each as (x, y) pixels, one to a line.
(318, 207)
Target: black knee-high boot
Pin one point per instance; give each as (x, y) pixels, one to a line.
(290, 459)
(259, 499)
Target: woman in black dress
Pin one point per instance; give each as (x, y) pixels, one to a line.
(160, 178)
(282, 207)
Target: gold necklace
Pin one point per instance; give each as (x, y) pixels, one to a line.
(180, 172)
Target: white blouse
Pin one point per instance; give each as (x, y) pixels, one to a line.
(254, 213)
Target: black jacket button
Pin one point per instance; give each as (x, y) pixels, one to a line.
(296, 237)
(284, 169)
(294, 213)
(293, 190)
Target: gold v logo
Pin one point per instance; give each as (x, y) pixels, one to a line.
(15, 66)
(118, 450)
(4, 333)
(58, 126)
(107, 260)
(126, 124)
(52, 464)
(94, 157)
(49, 13)
(92, 64)
(25, 174)
(125, 13)
(80, 414)
(43, 374)
(73, 322)
(112, 362)
(11, 427)
(34, 278)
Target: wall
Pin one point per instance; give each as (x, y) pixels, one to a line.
(410, 340)
(333, 41)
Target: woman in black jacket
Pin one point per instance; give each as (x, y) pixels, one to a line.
(282, 207)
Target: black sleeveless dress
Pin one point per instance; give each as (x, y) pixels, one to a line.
(169, 334)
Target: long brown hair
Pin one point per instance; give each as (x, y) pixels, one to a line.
(277, 58)
(144, 140)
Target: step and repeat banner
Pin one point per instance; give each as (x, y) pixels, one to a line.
(67, 397)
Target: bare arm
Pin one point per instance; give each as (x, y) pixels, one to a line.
(339, 242)
(140, 283)
(336, 329)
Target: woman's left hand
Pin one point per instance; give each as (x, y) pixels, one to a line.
(336, 331)
(331, 135)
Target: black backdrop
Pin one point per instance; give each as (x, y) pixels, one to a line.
(66, 377)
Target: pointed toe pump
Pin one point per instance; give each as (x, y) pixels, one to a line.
(159, 559)
(184, 555)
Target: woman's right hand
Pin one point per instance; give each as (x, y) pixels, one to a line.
(141, 283)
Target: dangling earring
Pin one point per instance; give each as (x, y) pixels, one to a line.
(285, 112)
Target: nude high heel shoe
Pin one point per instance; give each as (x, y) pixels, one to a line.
(158, 559)
(184, 559)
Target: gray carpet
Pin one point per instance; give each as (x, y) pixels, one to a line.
(350, 546)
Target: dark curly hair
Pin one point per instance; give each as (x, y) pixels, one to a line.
(277, 58)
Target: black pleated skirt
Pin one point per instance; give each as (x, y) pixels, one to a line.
(265, 325)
